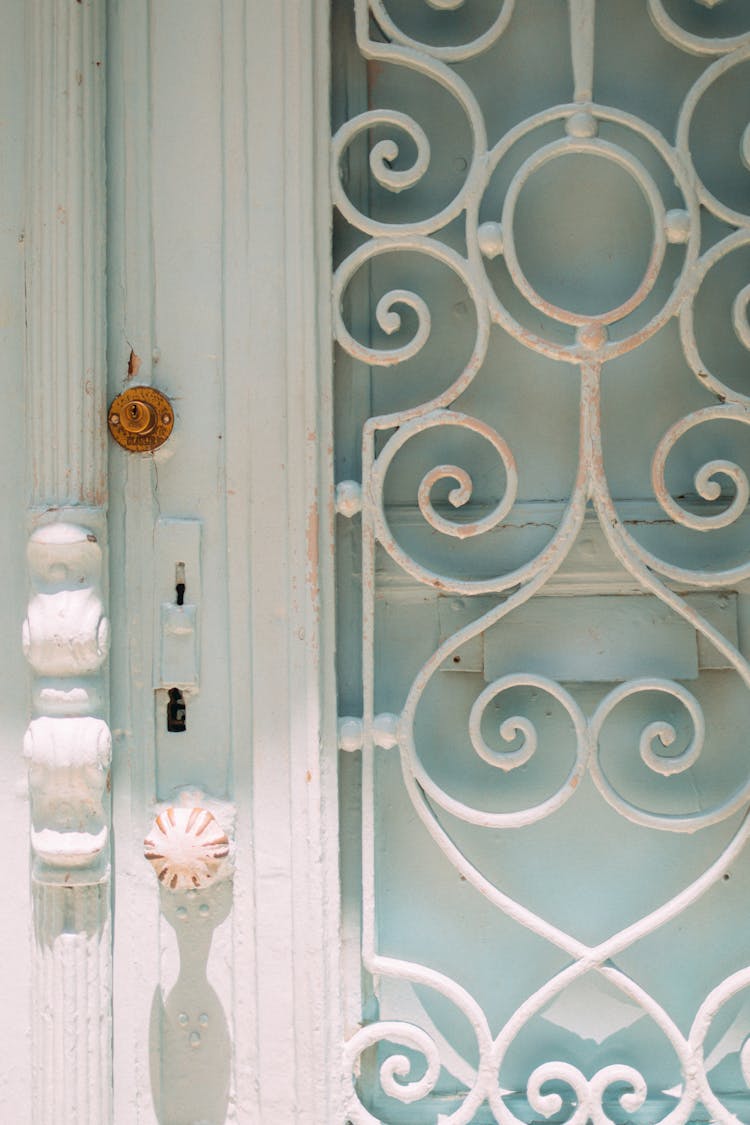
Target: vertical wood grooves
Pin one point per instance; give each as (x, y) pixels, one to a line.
(236, 350)
(65, 250)
(65, 401)
(131, 325)
(72, 937)
(292, 774)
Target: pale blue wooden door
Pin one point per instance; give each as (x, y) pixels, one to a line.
(171, 598)
(543, 254)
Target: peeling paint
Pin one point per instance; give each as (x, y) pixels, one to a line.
(313, 553)
(134, 364)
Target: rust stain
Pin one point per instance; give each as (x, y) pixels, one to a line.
(312, 549)
(134, 364)
(374, 71)
(308, 776)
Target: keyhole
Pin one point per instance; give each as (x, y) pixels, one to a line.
(176, 712)
(139, 417)
(179, 583)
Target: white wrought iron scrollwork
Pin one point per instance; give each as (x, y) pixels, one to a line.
(501, 737)
(454, 52)
(717, 253)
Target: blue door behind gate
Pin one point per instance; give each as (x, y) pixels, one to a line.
(542, 263)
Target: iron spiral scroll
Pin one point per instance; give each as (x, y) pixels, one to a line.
(465, 239)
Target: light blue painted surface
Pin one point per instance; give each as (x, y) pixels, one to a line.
(166, 164)
(581, 232)
(216, 167)
(426, 911)
(217, 257)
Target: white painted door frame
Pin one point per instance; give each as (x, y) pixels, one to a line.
(278, 958)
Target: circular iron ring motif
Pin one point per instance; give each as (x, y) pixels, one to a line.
(581, 349)
(701, 86)
(579, 147)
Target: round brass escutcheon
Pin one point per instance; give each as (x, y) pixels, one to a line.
(141, 419)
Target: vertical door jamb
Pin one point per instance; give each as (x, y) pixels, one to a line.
(66, 632)
(279, 428)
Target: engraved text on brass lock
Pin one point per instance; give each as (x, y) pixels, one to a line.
(141, 419)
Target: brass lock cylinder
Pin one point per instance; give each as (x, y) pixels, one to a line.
(141, 419)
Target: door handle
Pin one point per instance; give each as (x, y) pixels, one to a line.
(188, 848)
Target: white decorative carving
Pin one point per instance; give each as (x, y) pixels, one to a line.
(188, 848)
(66, 633)
(66, 639)
(68, 770)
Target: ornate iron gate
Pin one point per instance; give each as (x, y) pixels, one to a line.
(544, 271)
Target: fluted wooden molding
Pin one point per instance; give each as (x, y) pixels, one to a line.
(71, 1026)
(65, 252)
(66, 632)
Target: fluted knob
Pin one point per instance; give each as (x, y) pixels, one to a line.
(188, 848)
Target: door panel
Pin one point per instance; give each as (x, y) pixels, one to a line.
(225, 998)
(173, 984)
(541, 269)
(198, 263)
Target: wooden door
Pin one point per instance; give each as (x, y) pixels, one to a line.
(509, 884)
(165, 218)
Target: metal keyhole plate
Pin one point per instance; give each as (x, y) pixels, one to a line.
(141, 419)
